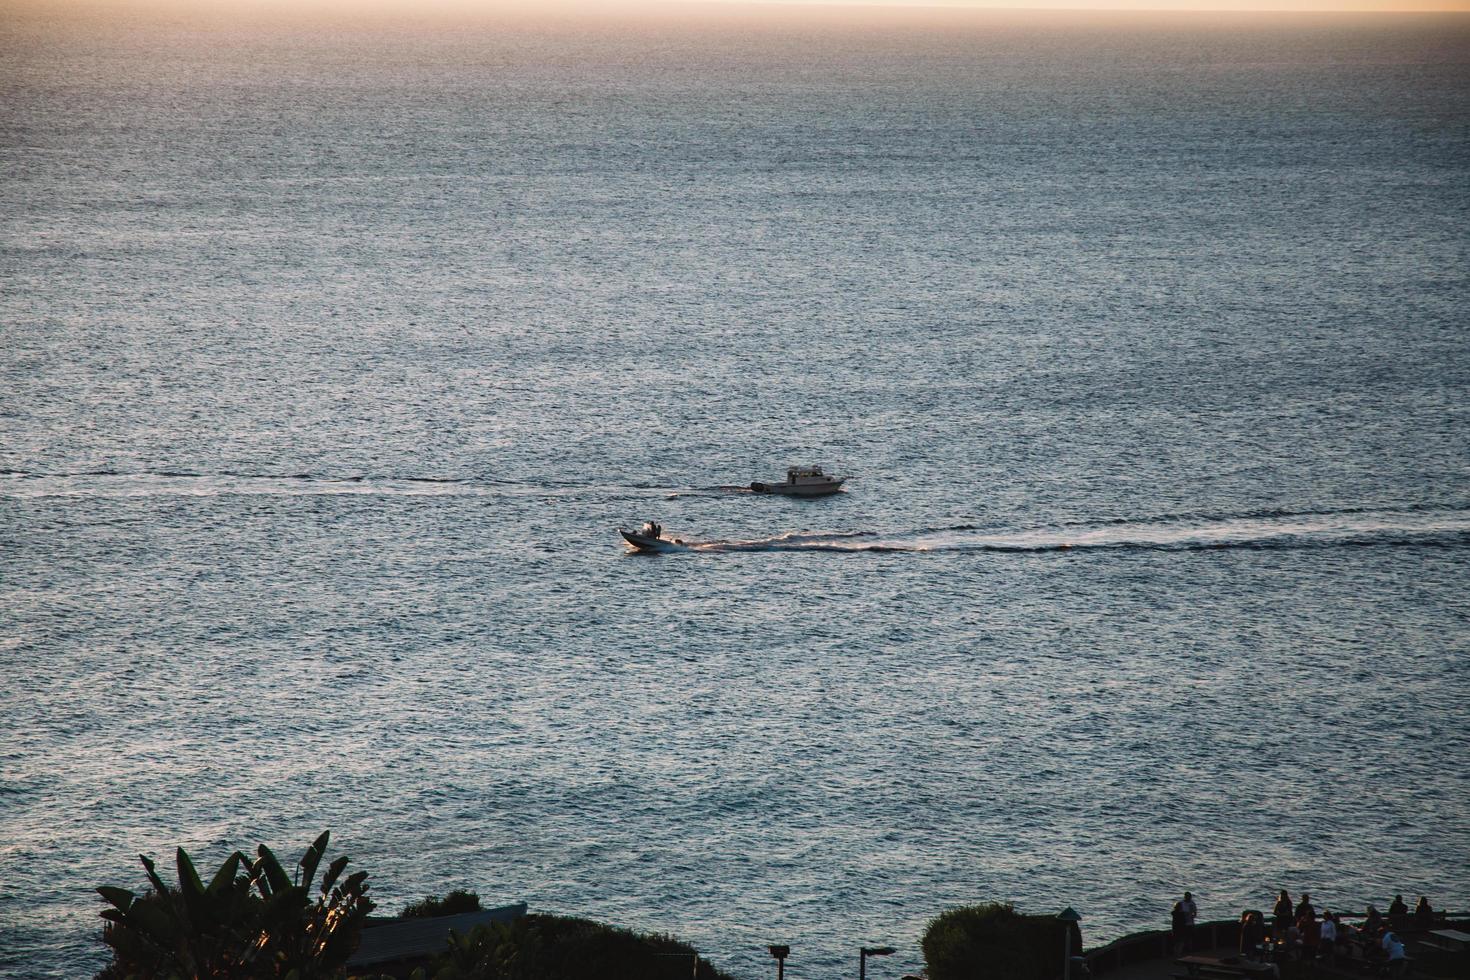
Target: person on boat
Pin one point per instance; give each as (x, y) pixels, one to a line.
(1305, 907)
(1423, 914)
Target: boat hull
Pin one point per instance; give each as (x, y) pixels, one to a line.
(799, 489)
(643, 542)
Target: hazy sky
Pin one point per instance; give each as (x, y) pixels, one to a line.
(756, 8)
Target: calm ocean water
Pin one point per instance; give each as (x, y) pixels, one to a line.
(333, 355)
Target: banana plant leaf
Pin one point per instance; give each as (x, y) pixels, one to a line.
(312, 858)
(282, 905)
(189, 882)
(225, 876)
(120, 897)
(334, 870)
(275, 877)
(153, 878)
(153, 922)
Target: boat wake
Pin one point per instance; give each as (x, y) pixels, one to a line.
(152, 483)
(1443, 525)
(709, 491)
(115, 483)
(103, 484)
(1440, 526)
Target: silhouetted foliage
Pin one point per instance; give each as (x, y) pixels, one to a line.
(549, 947)
(251, 921)
(454, 903)
(995, 942)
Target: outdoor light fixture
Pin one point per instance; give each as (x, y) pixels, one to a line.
(1067, 917)
(864, 952)
(780, 952)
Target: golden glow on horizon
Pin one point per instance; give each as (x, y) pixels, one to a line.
(720, 10)
(1252, 6)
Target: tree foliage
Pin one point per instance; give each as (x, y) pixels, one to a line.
(995, 942)
(454, 903)
(549, 947)
(251, 921)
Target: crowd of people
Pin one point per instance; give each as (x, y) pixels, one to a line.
(1299, 931)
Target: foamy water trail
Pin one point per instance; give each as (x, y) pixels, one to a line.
(1447, 526)
(108, 484)
(723, 488)
(104, 484)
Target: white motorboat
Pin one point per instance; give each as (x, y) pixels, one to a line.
(650, 537)
(803, 481)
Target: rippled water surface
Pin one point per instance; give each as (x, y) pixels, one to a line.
(333, 356)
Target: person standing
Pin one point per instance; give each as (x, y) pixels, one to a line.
(1398, 963)
(1304, 907)
(1252, 935)
(1398, 913)
(1327, 934)
(1310, 929)
(1181, 922)
(1282, 916)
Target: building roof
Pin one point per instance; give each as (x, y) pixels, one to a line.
(402, 939)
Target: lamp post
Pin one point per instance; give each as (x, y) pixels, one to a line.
(1067, 917)
(780, 952)
(864, 952)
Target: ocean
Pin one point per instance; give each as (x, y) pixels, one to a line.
(334, 352)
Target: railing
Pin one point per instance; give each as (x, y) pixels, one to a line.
(1133, 948)
(1156, 943)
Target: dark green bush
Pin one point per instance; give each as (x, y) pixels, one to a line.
(550, 947)
(454, 903)
(995, 942)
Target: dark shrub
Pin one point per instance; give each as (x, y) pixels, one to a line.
(550, 947)
(454, 903)
(995, 942)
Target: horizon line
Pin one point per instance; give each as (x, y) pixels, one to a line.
(431, 9)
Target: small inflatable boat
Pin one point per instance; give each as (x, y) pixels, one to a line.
(650, 537)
